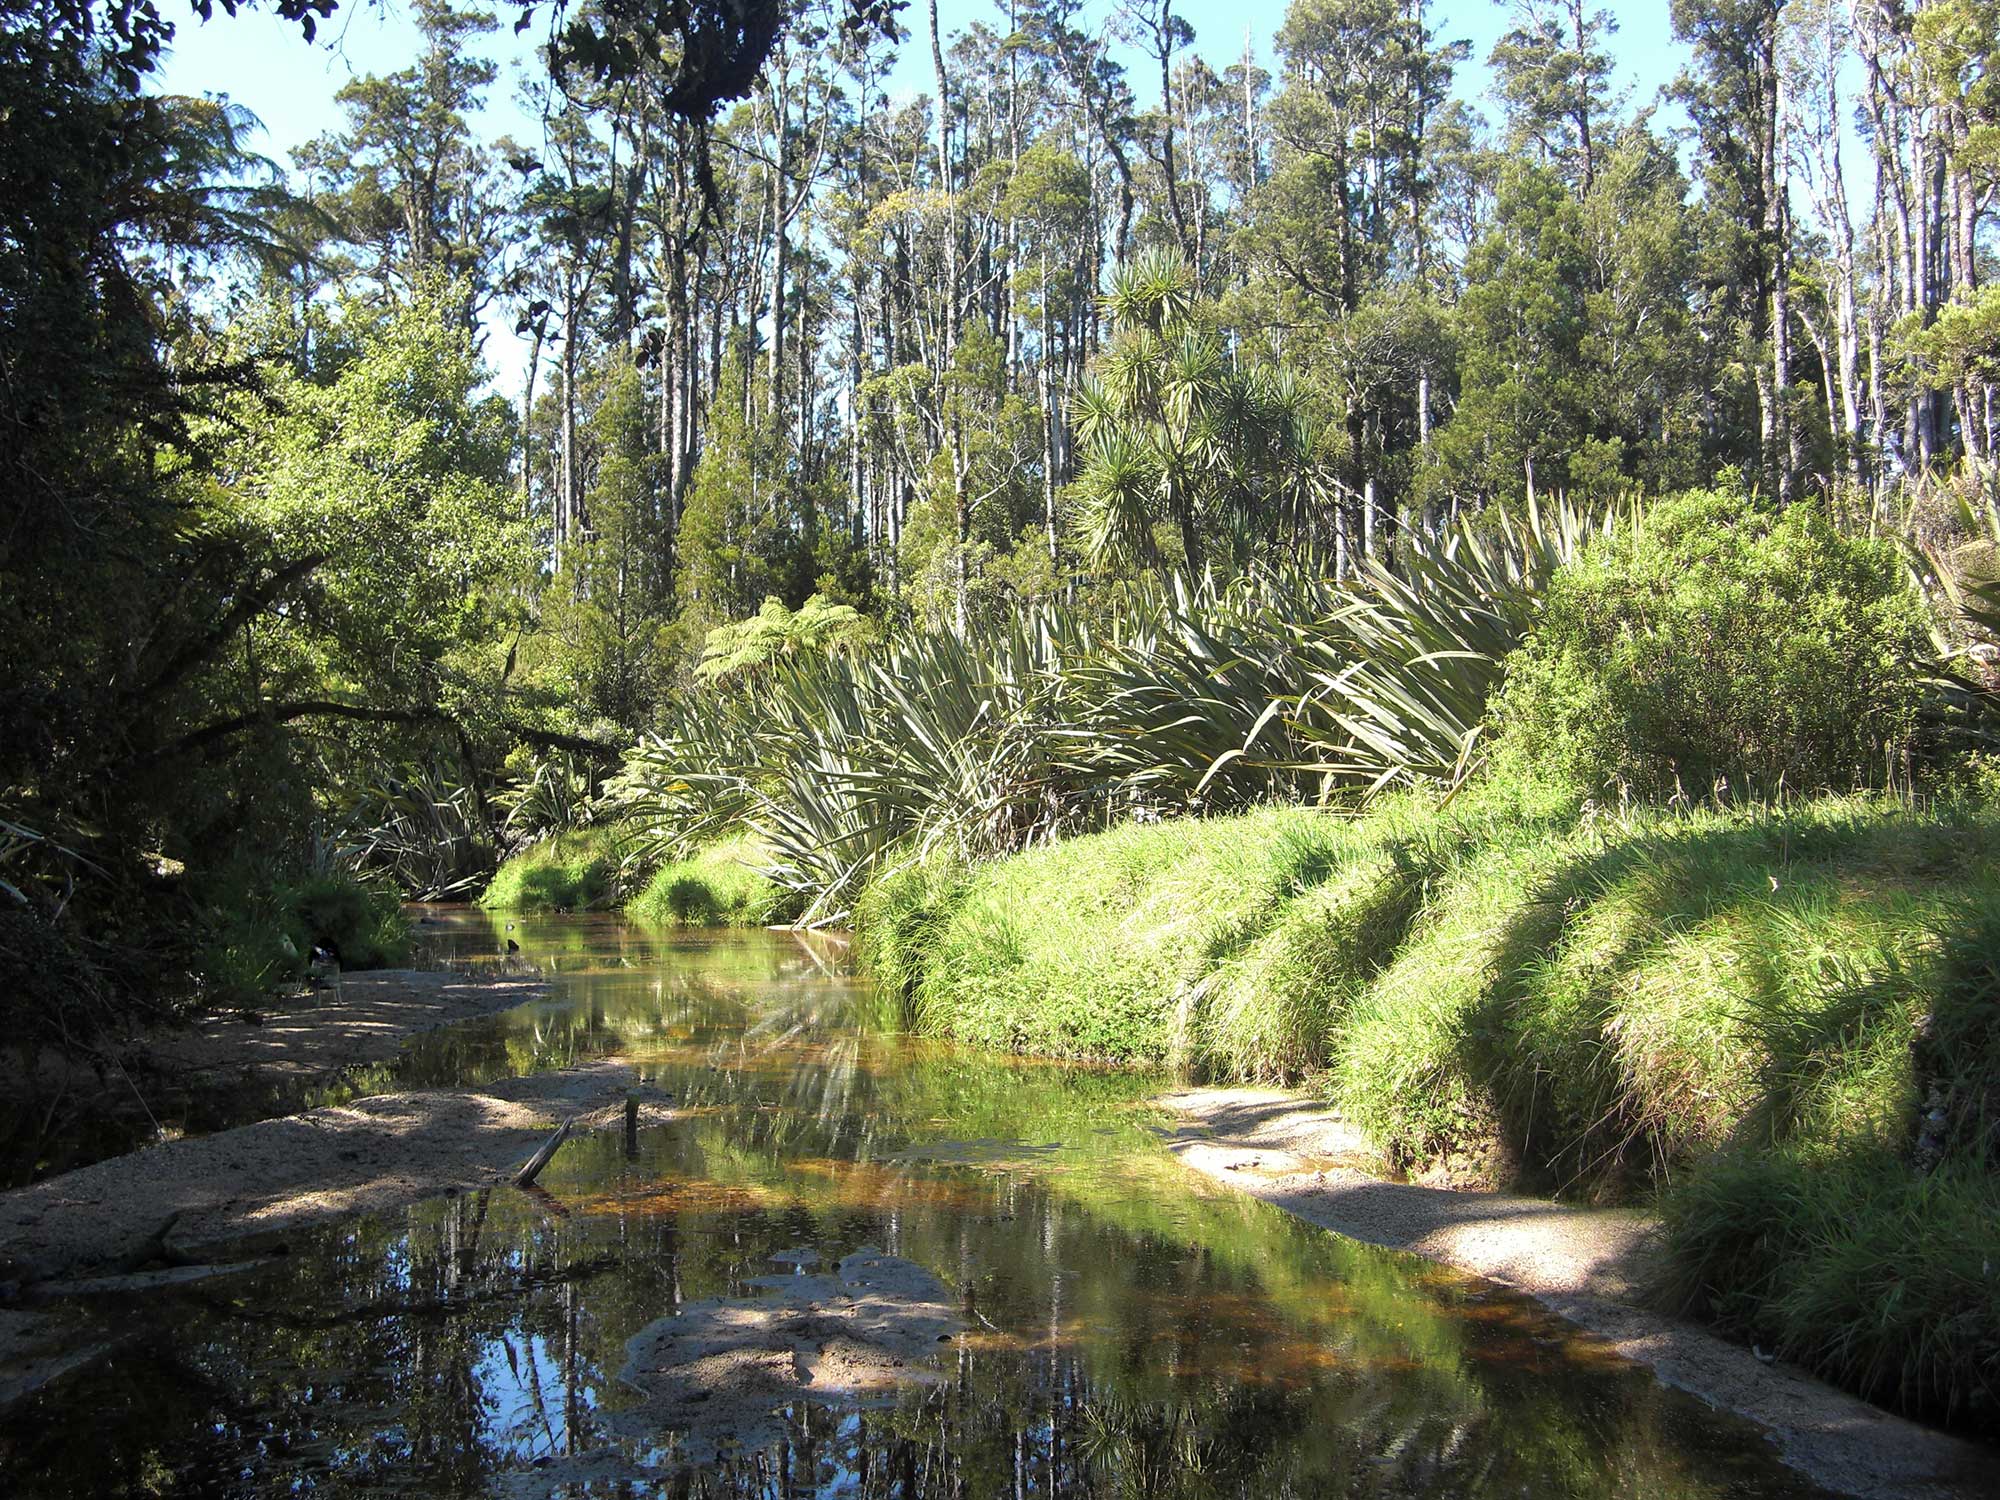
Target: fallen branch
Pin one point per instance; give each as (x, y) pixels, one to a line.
(532, 1168)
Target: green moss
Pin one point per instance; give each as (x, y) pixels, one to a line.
(719, 886)
(581, 870)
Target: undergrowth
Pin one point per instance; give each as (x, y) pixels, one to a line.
(262, 929)
(579, 870)
(721, 885)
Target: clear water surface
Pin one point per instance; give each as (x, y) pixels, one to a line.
(1132, 1329)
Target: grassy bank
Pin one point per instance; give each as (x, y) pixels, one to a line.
(1786, 1025)
(718, 886)
(574, 871)
(587, 870)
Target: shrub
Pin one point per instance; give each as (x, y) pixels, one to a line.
(361, 925)
(1711, 643)
(580, 870)
(50, 990)
(263, 928)
(718, 886)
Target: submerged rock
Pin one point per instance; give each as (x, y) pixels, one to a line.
(722, 1371)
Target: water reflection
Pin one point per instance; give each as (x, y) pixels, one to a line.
(1129, 1328)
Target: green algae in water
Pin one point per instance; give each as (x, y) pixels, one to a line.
(1129, 1328)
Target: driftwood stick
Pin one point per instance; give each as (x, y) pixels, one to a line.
(532, 1168)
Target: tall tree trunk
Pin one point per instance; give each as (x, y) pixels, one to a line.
(946, 185)
(1166, 55)
(528, 414)
(1778, 457)
(780, 252)
(1047, 402)
(566, 524)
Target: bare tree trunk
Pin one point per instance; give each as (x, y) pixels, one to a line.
(1778, 457)
(1164, 35)
(1047, 400)
(946, 185)
(528, 414)
(780, 250)
(566, 501)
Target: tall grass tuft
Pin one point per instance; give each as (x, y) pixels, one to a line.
(720, 885)
(1781, 1024)
(584, 869)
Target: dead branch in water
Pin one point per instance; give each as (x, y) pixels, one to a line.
(532, 1168)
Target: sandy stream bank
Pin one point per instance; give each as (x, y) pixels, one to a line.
(1587, 1265)
(188, 1208)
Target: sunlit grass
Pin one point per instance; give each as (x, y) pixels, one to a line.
(720, 885)
(573, 871)
(1725, 1009)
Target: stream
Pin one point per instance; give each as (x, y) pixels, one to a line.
(1125, 1327)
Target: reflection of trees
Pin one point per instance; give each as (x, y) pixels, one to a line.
(1130, 1334)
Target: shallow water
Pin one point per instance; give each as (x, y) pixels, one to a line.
(1130, 1328)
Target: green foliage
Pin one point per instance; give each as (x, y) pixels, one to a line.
(262, 928)
(901, 916)
(1578, 368)
(818, 625)
(1854, 1233)
(119, 585)
(751, 526)
(720, 885)
(420, 828)
(600, 649)
(390, 467)
(1103, 946)
(51, 992)
(1177, 697)
(1174, 433)
(579, 870)
(558, 795)
(1710, 645)
(1400, 676)
(1783, 1021)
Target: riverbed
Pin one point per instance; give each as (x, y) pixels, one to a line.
(1105, 1321)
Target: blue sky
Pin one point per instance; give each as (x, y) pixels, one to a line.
(263, 64)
